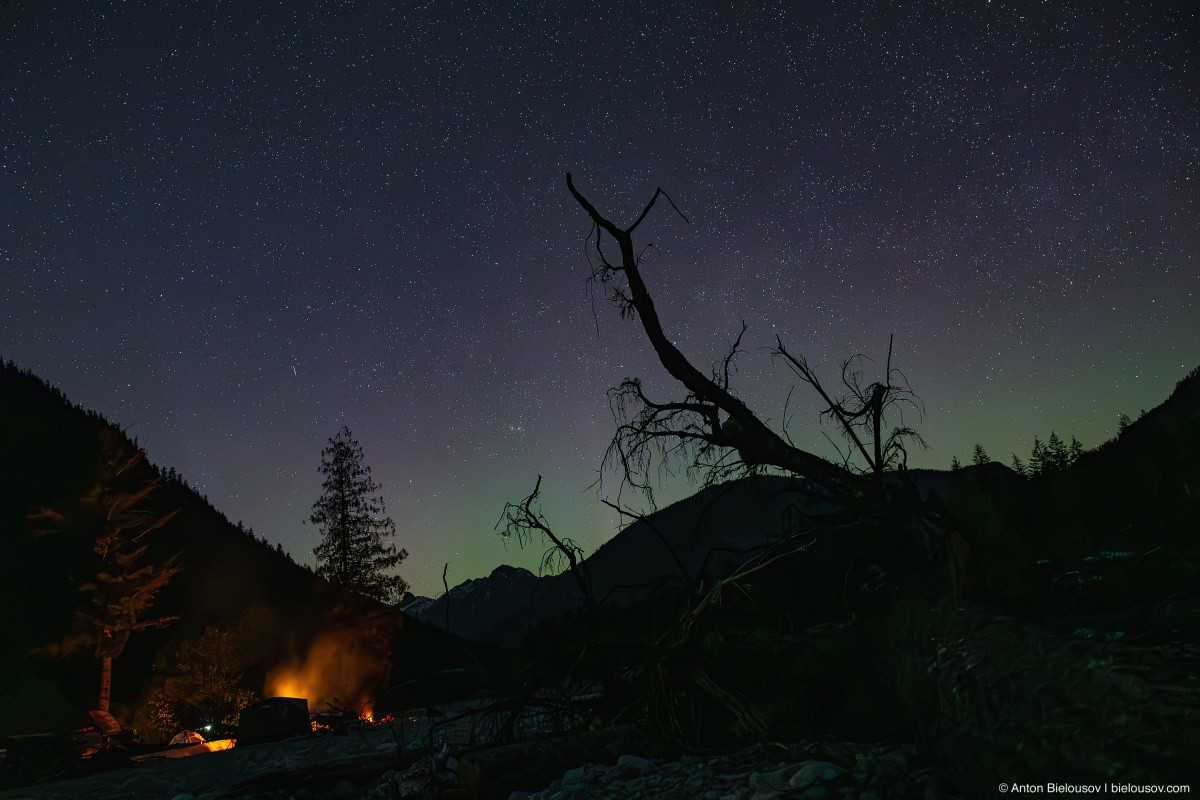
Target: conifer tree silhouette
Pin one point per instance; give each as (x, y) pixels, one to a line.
(123, 584)
(354, 551)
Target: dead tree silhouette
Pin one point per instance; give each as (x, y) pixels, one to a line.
(711, 423)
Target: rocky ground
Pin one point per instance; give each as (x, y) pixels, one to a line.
(809, 774)
(335, 766)
(369, 766)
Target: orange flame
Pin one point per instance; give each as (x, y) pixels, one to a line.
(336, 670)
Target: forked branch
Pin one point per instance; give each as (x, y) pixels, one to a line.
(861, 412)
(524, 521)
(711, 419)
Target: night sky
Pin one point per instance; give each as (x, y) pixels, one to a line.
(234, 227)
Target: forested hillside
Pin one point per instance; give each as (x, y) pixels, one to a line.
(268, 608)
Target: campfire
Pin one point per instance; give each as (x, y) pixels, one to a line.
(337, 675)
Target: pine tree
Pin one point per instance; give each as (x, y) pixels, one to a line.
(1056, 453)
(1019, 467)
(354, 551)
(1037, 458)
(980, 456)
(1123, 422)
(122, 586)
(1074, 451)
(955, 464)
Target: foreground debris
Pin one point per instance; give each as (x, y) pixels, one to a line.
(236, 772)
(370, 767)
(811, 772)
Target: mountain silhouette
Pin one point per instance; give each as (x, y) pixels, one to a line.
(230, 579)
(1135, 492)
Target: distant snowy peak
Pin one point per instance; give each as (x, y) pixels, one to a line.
(416, 605)
(474, 592)
(501, 581)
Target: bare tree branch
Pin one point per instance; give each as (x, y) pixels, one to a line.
(698, 425)
(861, 412)
(522, 521)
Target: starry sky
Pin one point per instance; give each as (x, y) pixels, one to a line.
(234, 227)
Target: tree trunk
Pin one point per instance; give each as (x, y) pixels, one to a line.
(754, 441)
(105, 683)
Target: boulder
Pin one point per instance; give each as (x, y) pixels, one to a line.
(273, 719)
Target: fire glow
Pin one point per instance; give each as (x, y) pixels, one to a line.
(336, 671)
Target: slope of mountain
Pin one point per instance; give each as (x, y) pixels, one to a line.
(50, 448)
(696, 539)
(230, 579)
(1133, 493)
(692, 542)
(479, 609)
